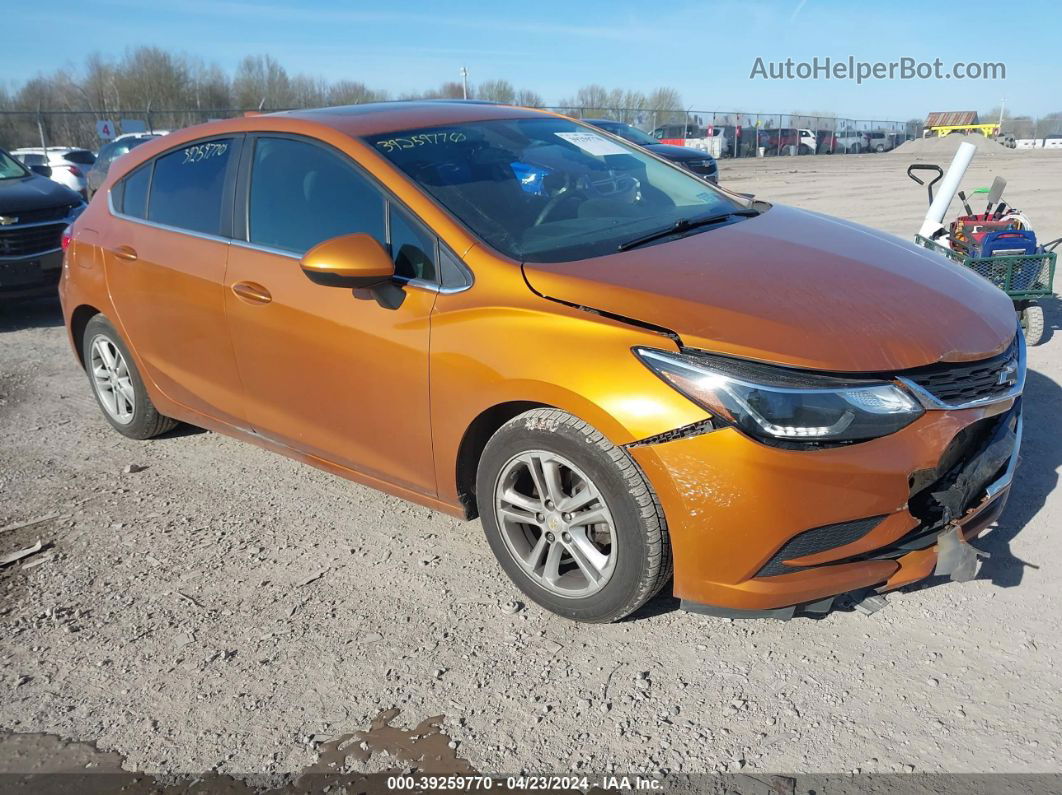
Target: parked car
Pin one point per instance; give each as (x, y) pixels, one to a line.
(779, 141)
(724, 136)
(698, 161)
(501, 312)
(851, 142)
(68, 164)
(826, 142)
(679, 132)
(34, 211)
(880, 141)
(111, 152)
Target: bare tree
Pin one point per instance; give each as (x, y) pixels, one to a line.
(527, 98)
(260, 81)
(496, 91)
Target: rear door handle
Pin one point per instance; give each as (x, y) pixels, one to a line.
(252, 293)
(124, 252)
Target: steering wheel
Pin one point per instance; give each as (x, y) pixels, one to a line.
(568, 190)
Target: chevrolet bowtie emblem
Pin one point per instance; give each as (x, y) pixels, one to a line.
(8, 220)
(1008, 375)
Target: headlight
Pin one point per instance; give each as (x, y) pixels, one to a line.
(776, 403)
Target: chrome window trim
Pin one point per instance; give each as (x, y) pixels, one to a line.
(420, 284)
(265, 249)
(933, 403)
(165, 227)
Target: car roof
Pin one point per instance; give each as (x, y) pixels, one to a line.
(374, 118)
(355, 121)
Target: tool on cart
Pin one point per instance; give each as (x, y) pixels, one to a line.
(998, 244)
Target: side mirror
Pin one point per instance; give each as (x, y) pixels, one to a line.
(349, 261)
(43, 171)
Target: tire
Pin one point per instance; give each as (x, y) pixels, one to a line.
(880, 148)
(633, 551)
(804, 149)
(1032, 323)
(117, 385)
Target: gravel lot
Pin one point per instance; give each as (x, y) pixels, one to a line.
(227, 608)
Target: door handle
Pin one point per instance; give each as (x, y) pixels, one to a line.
(252, 293)
(124, 252)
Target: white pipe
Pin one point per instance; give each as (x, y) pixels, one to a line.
(949, 186)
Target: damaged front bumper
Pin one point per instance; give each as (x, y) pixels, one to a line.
(760, 531)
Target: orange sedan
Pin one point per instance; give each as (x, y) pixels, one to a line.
(631, 376)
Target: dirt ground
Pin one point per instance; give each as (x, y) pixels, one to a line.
(226, 608)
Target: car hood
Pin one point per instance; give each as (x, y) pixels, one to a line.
(795, 288)
(33, 193)
(678, 152)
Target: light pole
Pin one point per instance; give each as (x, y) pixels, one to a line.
(464, 83)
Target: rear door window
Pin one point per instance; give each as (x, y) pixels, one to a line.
(302, 194)
(188, 186)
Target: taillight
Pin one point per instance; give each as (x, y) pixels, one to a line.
(64, 241)
(75, 171)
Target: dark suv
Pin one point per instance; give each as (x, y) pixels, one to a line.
(696, 160)
(34, 211)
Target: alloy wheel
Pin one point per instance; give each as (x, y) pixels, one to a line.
(111, 379)
(555, 524)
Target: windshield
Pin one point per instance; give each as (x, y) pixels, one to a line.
(632, 134)
(548, 189)
(11, 168)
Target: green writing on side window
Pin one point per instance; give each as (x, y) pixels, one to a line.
(200, 152)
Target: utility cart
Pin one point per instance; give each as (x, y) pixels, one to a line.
(998, 244)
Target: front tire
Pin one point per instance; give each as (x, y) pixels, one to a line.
(117, 384)
(571, 518)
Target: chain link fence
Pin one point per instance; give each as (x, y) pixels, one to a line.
(721, 134)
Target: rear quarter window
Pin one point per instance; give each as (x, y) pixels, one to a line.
(188, 186)
(129, 196)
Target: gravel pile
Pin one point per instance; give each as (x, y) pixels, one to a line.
(946, 146)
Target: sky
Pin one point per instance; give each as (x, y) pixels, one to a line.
(706, 49)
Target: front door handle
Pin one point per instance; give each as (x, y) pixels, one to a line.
(252, 293)
(125, 252)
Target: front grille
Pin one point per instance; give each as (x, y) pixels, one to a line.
(28, 240)
(962, 382)
(46, 214)
(816, 540)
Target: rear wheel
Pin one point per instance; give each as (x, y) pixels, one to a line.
(1031, 318)
(117, 384)
(570, 517)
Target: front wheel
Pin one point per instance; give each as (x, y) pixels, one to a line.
(1031, 318)
(571, 518)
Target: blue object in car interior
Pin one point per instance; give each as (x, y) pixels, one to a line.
(530, 177)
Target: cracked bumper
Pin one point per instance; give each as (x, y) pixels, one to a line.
(731, 503)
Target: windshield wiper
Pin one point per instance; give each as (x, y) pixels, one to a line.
(684, 225)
